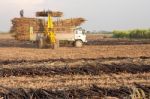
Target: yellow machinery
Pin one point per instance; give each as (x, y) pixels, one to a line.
(48, 37)
(49, 33)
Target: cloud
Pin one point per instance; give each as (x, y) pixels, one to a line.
(101, 14)
(24, 3)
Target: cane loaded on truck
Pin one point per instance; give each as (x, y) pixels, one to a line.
(50, 32)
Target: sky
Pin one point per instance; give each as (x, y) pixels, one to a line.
(100, 14)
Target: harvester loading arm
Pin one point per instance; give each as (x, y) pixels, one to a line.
(50, 31)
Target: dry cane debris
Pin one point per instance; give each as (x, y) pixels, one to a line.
(91, 93)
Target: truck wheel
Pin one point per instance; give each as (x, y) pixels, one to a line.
(78, 43)
(41, 43)
(53, 46)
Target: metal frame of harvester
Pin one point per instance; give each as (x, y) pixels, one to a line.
(49, 33)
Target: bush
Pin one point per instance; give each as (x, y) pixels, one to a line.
(120, 34)
(137, 33)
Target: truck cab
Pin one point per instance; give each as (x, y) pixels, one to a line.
(79, 37)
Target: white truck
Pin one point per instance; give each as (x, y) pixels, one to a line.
(76, 36)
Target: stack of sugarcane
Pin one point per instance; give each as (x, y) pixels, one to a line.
(51, 13)
(68, 24)
(21, 27)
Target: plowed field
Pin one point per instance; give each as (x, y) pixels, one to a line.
(104, 68)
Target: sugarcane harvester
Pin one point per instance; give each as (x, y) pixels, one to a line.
(49, 36)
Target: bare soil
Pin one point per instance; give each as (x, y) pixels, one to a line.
(11, 49)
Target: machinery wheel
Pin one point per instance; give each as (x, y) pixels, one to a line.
(55, 45)
(41, 43)
(78, 43)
